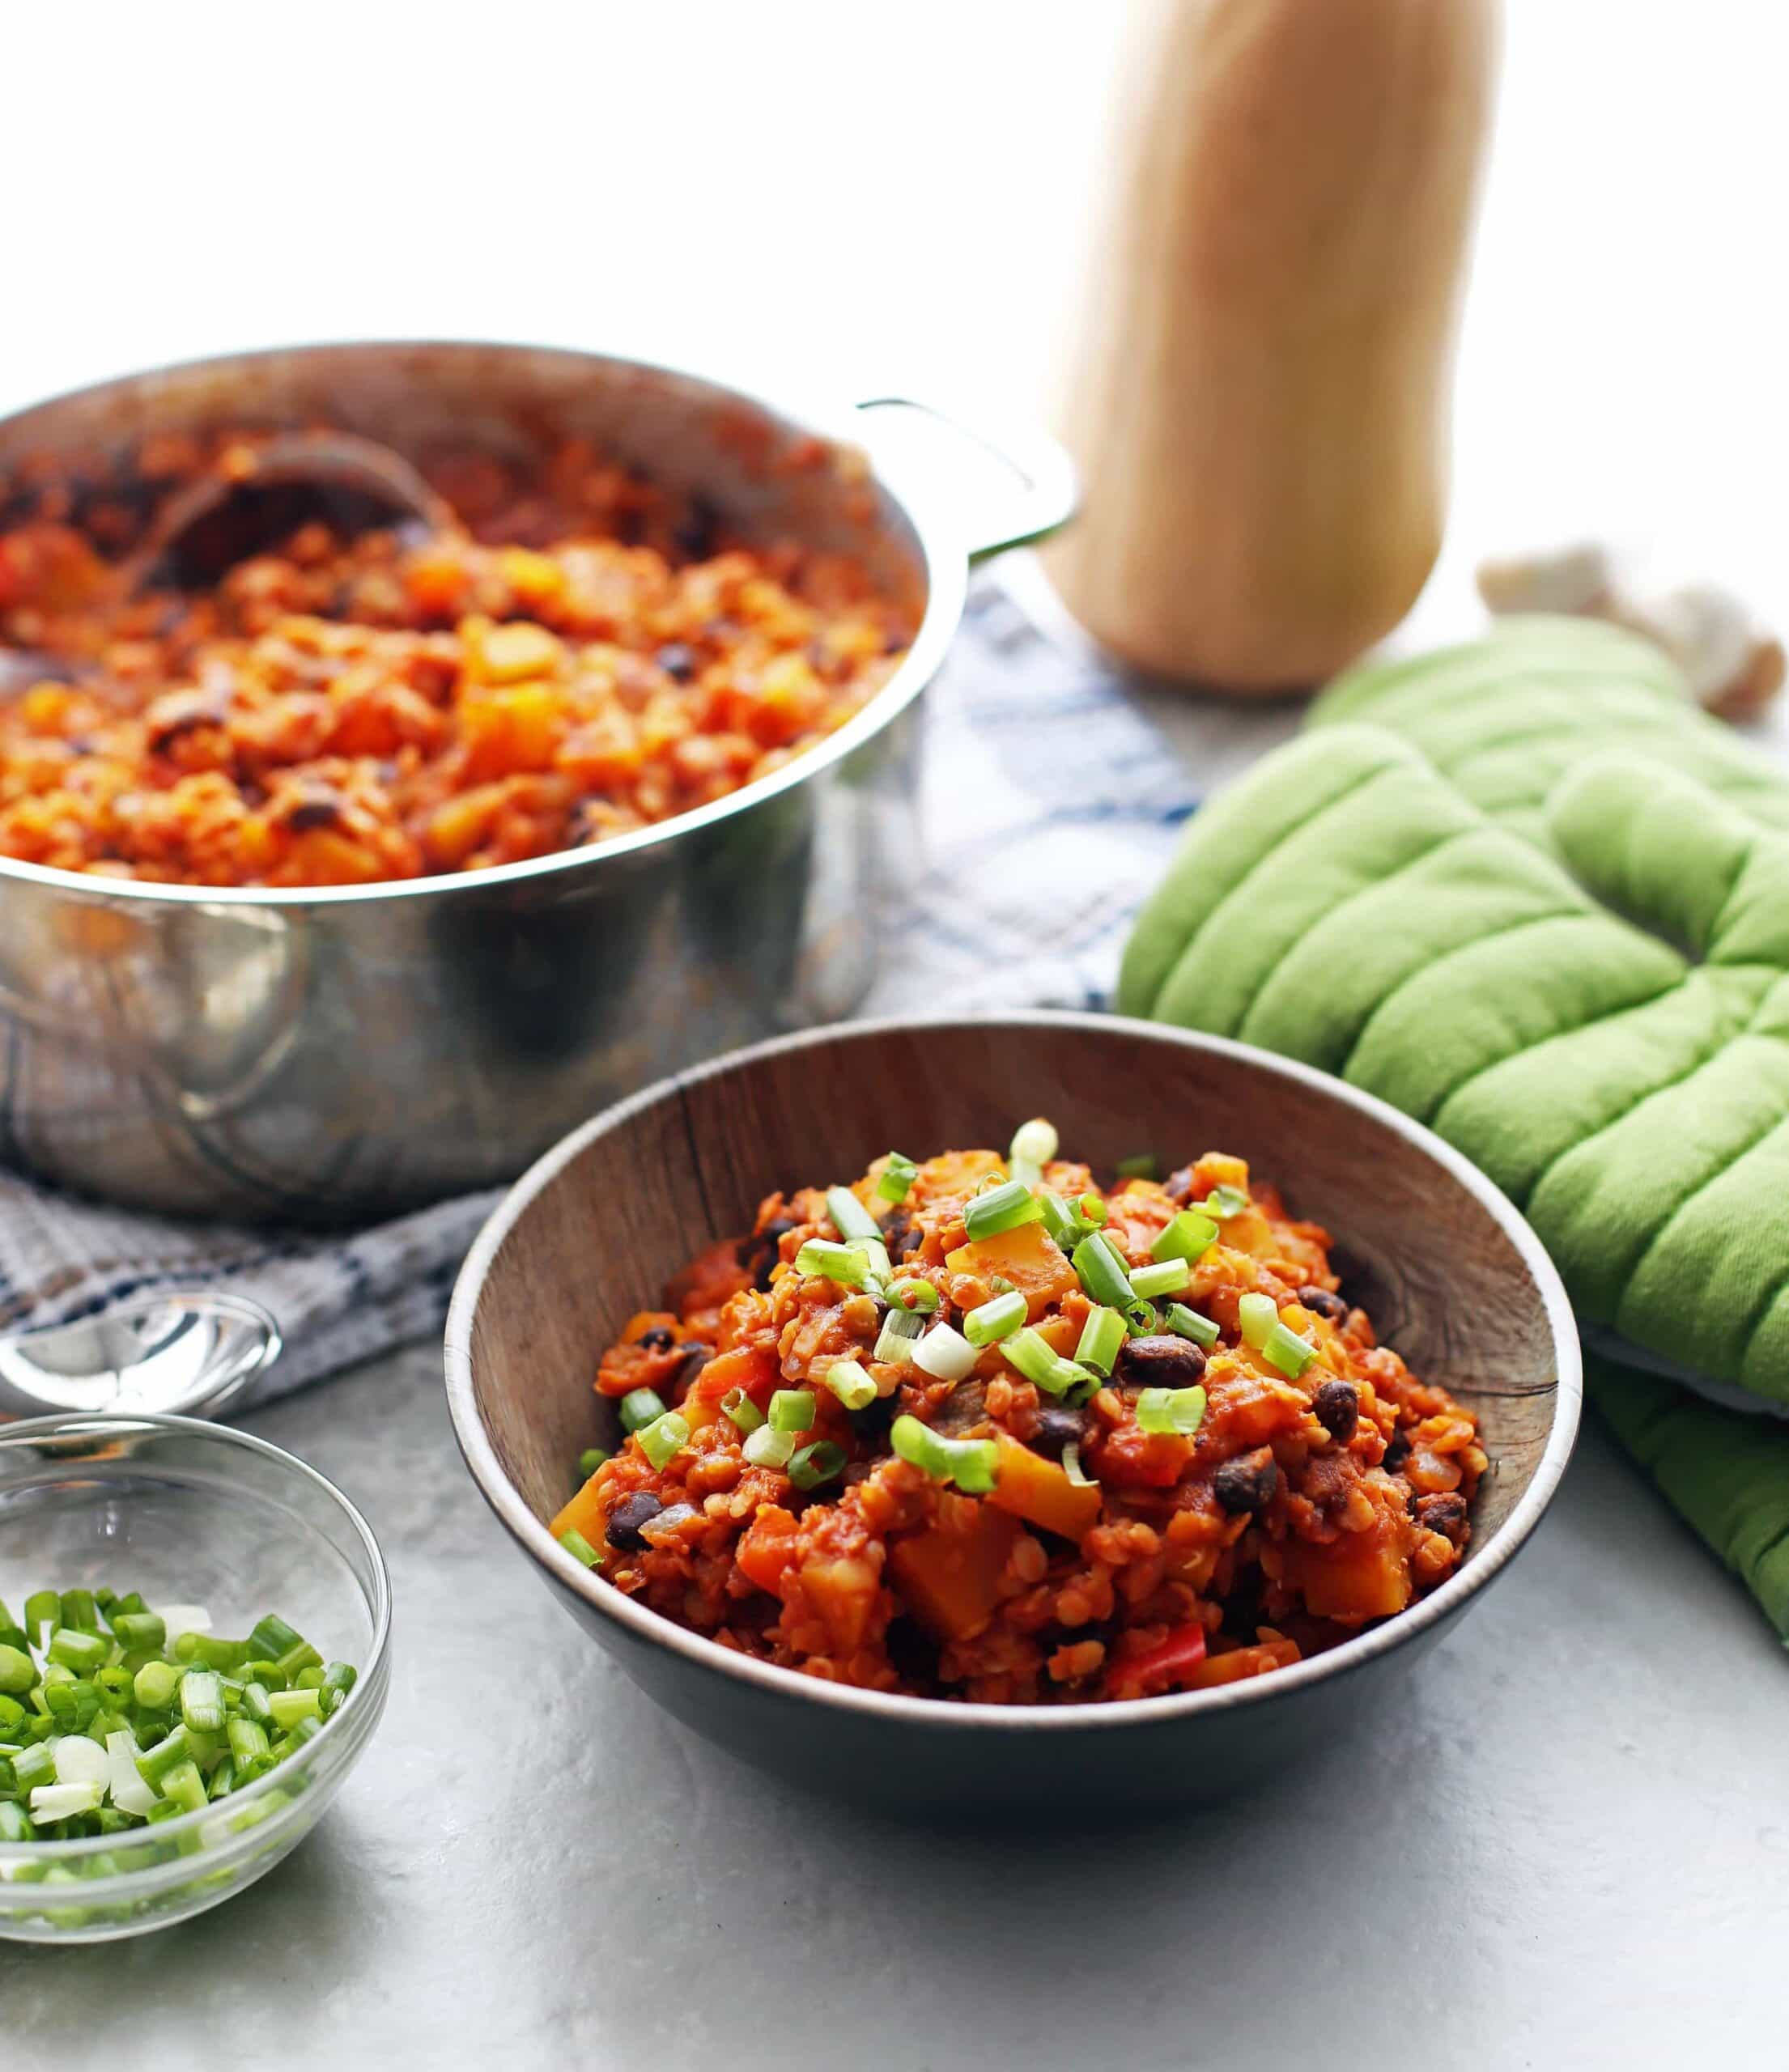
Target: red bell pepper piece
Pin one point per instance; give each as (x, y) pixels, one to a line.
(1159, 1668)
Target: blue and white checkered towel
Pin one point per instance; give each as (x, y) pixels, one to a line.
(1049, 805)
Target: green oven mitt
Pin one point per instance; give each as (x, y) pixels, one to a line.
(1548, 915)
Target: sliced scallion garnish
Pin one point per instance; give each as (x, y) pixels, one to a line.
(1101, 1337)
(1188, 1323)
(1140, 1166)
(737, 1406)
(1224, 1203)
(767, 1447)
(1035, 1144)
(791, 1410)
(1160, 1277)
(1287, 1350)
(972, 1464)
(1102, 1274)
(1002, 1208)
(1044, 1366)
(896, 1180)
(991, 1321)
(663, 1438)
(848, 1264)
(819, 1462)
(1256, 1315)
(850, 1382)
(1171, 1413)
(1188, 1236)
(853, 1222)
(944, 1354)
(570, 1540)
(897, 1337)
(590, 1460)
(1072, 1467)
(914, 1293)
(638, 1407)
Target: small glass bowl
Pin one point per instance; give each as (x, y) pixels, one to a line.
(188, 1513)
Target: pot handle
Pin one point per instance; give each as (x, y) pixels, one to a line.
(1047, 490)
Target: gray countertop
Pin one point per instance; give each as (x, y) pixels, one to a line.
(1564, 1842)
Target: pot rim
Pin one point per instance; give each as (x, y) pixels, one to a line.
(532, 1535)
(944, 559)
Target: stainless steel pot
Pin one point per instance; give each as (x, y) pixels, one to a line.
(326, 1056)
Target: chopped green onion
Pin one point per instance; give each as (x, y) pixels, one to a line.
(1224, 1203)
(767, 1447)
(897, 1178)
(154, 1685)
(202, 1701)
(1188, 1236)
(817, 1463)
(1160, 1277)
(79, 1760)
(638, 1407)
(1061, 1221)
(256, 1700)
(850, 1382)
(339, 1679)
(1041, 1364)
(1004, 1207)
(660, 1442)
(1101, 1337)
(590, 1460)
(1256, 1315)
(738, 1406)
(1287, 1350)
(897, 1337)
(43, 1612)
(1102, 1274)
(1171, 1412)
(18, 1672)
(77, 1649)
(33, 1766)
(290, 1707)
(989, 1322)
(63, 1801)
(915, 1293)
(80, 1610)
(972, 1464)
(154, 1764)
(848, 1264)
(1188, 1323)
(1093, 1210)
(1035, 1144)
(183, 1786)
(1072, 1467)
(1140, 1166)
(140, 1630)
(570, 1540)
(853, 1222)
(791, 1410)
(1141, 1319)
(944, 1354)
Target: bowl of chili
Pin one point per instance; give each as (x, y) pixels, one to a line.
(717, 1564)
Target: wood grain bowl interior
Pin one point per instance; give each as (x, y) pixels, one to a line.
(1451, 1277)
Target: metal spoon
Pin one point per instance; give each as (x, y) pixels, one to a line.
(182, 1354)
(192, 538)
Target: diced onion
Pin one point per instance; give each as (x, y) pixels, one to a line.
(945, 1354)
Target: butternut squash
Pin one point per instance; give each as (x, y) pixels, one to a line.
(1260, 404)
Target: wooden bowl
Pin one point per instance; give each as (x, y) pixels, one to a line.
(1452, 1275)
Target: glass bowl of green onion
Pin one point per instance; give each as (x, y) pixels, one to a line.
(194, 1640)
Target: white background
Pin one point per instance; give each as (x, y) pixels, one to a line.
(832, 193)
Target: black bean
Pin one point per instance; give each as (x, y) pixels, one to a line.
(657, 1340)
(677, 659)
(1397, 1452)
(1321, 1303)
(622, 1530)
(1163, 1362)
(1056, 1428)
(313, 812)
(1445, 1513)
(1336, 1406)
(696, 1356)
(901, 1235)
(1179, 1185)
(758, 1254)
(1247, 1482)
